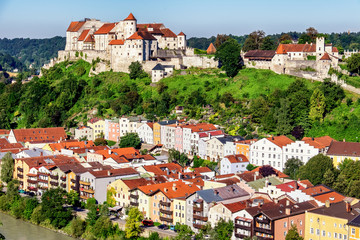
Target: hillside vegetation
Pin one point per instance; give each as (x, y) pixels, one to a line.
(254, 103)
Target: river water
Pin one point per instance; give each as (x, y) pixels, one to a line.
(14, 229)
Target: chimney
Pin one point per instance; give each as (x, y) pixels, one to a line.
(296, 185)
(348, 207)
(109, 151)
(272, 138)
(327, 203)
(174, 187)
(165, 189)
(216, 192)
(287, 211)
(266, 183)
(109, 173)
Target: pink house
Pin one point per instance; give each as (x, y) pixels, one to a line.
(113, 130)
(179, 138)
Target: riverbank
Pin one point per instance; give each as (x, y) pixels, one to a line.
(15, 229)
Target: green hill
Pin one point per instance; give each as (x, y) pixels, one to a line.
(254, 103)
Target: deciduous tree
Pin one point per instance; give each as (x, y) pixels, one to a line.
(229, 56)
(254, 40)
(292, 166)
(315, 168)
(317, 106)
(132, 226)
(7, 168)
(130, 140)
(293, 234)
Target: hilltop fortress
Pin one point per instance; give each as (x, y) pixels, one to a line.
(119, 44)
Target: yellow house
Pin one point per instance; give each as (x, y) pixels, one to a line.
(179, 210)
(98, 126)
(157, 133)
(243, 147)
(330, 221)
(339, 151)
(354, 229)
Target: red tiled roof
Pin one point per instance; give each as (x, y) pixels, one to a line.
(83, 35)
(211, 49)
(135, 183)
(130, 17)
(217, 133)
(225, 176)
(168, 33)
(203, 134)
(116, 42)
(334, 49)
(229, 181)
(289, 187)
(4, 144)
(170, 189)
(201, 127)
(141, 35)
(114, 172)
(325, 57)
(198, 181)
(285, 48)
(236, 206)
(320, 142)
(202, 170)
(42, 160)
(316, 190)
(117, 153)
(280, 141)
(70, 145)
(90, 38)
(238, 158)
(150, 124)
(181, 34)
(333, 197)
(40, 134)
(75, 26)
(105, 29)
(94, 120)
(149, 25)
(4, 132)
(306, 182)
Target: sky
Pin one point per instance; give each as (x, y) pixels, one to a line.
(196, 18)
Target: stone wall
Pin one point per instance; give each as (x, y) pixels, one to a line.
(200, 62)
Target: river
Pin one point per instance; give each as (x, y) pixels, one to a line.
(14, 229)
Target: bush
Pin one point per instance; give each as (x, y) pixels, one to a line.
(312, 58)
(77, 227)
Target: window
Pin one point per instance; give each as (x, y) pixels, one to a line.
(353, 231)
(285, 224)
(340, 236)
(335, 235)
(300, 222)
(345, 237)
(312, 230)
(317, 231)
(323, 233)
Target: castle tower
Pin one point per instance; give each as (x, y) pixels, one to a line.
(130, 25)
(181, 38)
(320, 47)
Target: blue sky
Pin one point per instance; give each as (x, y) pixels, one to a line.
(200, 18)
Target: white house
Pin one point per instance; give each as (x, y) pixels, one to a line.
(146, 133)
(161, 71)
(130, 125)
(84, 132)
(233, 164)
(269, 151)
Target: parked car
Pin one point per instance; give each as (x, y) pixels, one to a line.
(147, 223)
(163, 227)
(172, 227)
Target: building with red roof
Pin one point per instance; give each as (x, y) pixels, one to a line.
(233, 164)
(37, 135)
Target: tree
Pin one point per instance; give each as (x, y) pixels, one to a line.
(72, 198)
(333, 93)
(77, 227)
(52, 202)
(317, 106)
(132, 226)
(354, 189)
(30, 205)
(304, 38)
(250, 167)
(130, 140)
(268, 44)
(254, 41)
(184, 232)
(285, 39)
(92, 215)
(329, 178)
(100, 142)
(1, 236)
(224, 229)
(298, 132)
(229, 56)
(293, 234)
(7, 168)
(220, 39)
(136, 70)
(292, 166)
(282, 117)
(266, 170)
(315, 168)
(353, 63)
(312, 33)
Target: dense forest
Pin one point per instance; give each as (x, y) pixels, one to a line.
(253, 103)
(32, 51)
(341, 40)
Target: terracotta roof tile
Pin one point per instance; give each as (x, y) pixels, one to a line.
(171, 190)
(70, 145)
(141, 35)
(130, 17)
(211, 49)
(40, 134)
(333, 197)
(318, 189)
(320, 142)
(238, 158)
(236, 206)
(280, 141)
(83, 35)
(260, 54)
(116, 42)
(285, 48)
(168, 33)
(114, 172)
(105, 29)
(181, 34)
(90, 38)
(75, 26)
(334, 49)
(289, 187)
(325, 57)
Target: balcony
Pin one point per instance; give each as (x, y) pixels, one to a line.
(32, 181)
(166, 211)
(264, 238)
(54, 177)
(266, 221)
(63, 185)
(32, 189)
(20, 169)
(134, 204)
(240, 235)
(197, 217)
(166, 219)
(134, 196)
(84, 197)
(43, 187)
(20, 176)
(198, 226)
(84, 183)
(242, 227)
(73, 180)
(166, 204)
(88, 190)
(54, 183)
(74, 188)
(43, 180)
(263, 230)
(197, 209)
(63, 178)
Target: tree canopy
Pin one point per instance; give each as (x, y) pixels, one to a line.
(7, 168)
(130, 140)
(229, 56)
(315, 168)
(132, 226)
(292, 167)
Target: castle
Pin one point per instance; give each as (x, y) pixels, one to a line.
(311, 61)
(121, 43)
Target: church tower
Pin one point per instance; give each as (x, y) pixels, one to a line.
(129, 25)
(320, 47)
